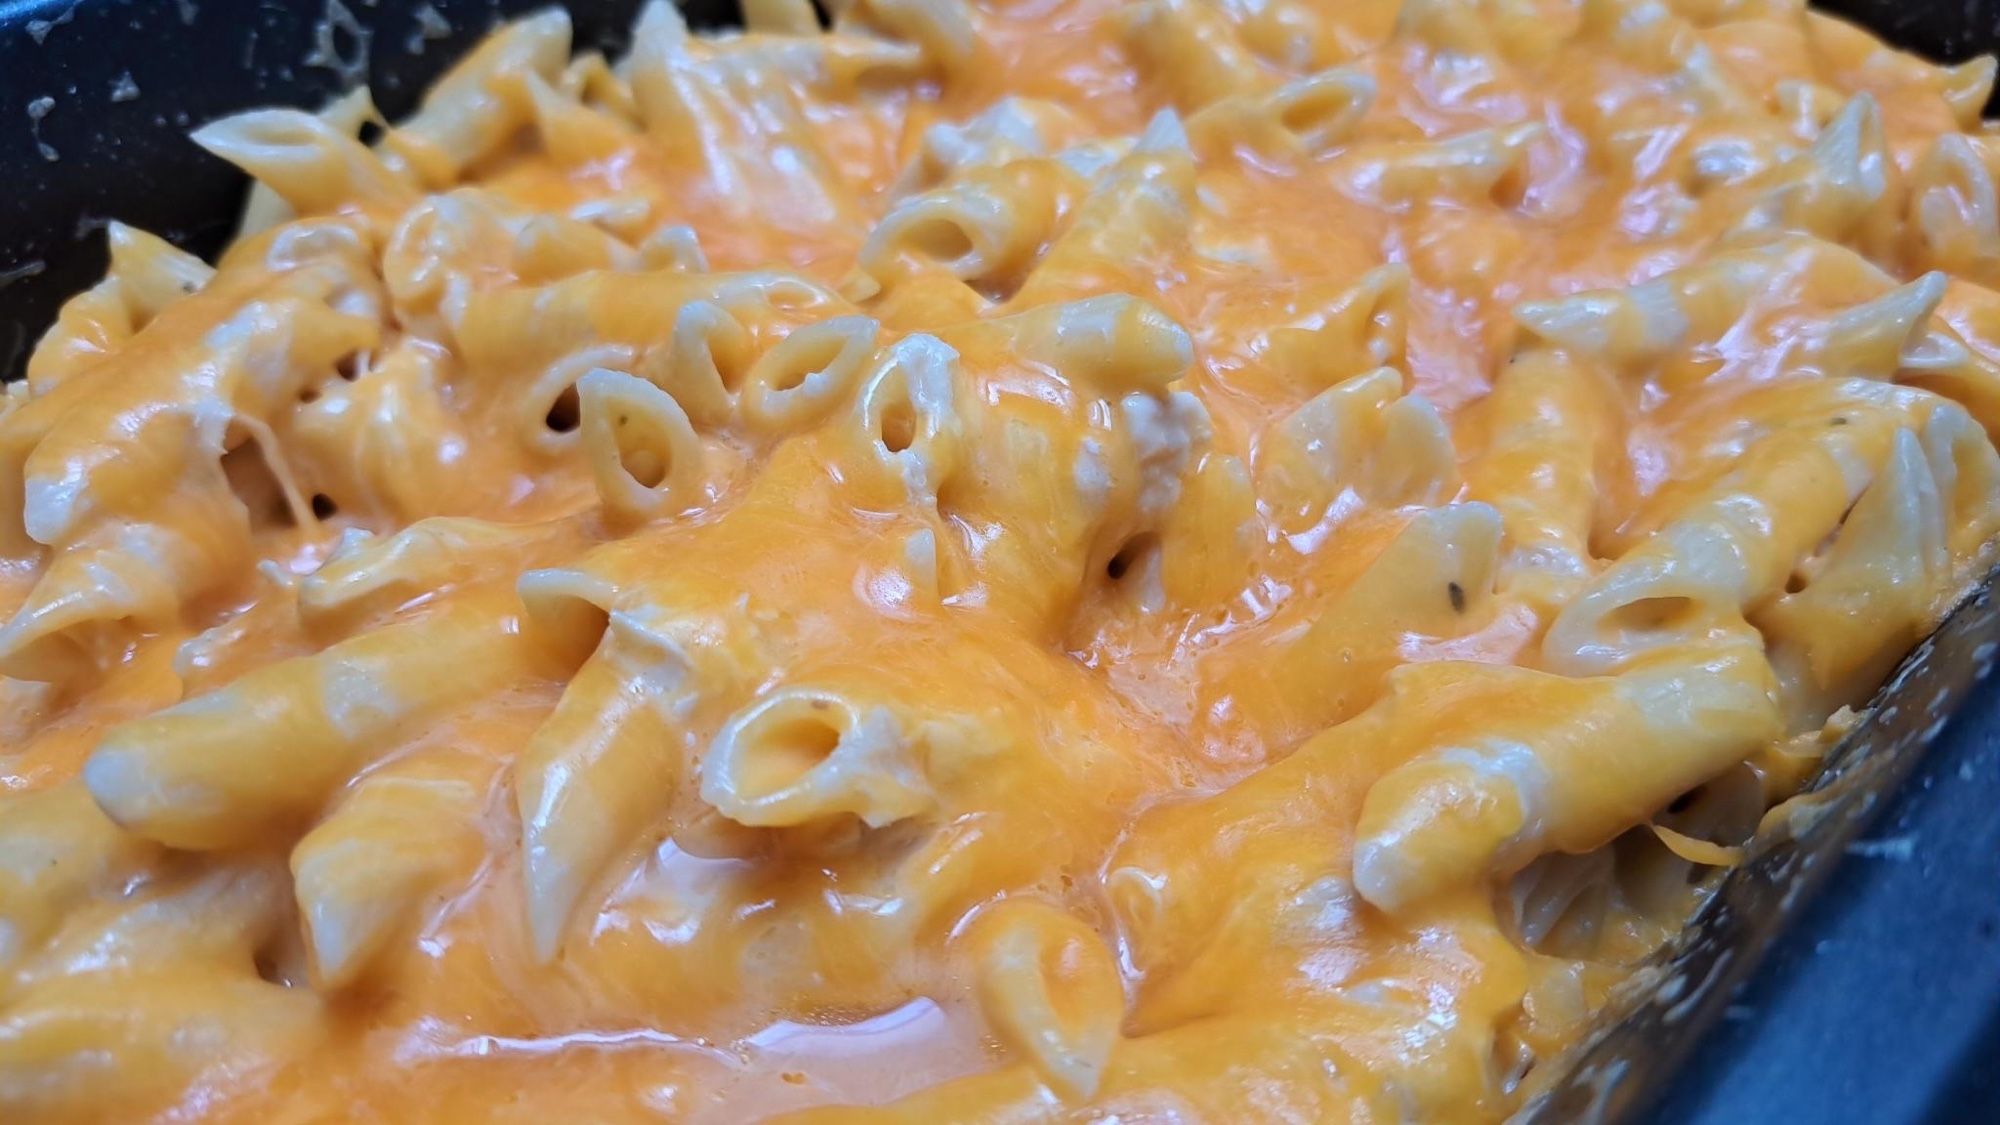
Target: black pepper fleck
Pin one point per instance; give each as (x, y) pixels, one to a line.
(1457, 595)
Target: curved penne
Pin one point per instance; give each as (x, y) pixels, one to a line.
(800, 754)
(906, 423)
(985, 228)
(602, 766)
(367, 579)
(1365, 436)
(1519, 763)
(392, 842)
(1360, 327)
(56, 850)
(311, 165)
(798, 381)
(1190, 50)
(145, 276)
(1485, 163)
(1143, 207)
(1726, 552)
(574, 134)
(269, 749)
(1433, 580)
(1550, 423)
(643, 453)
(1049, 989)
(1106, 345)
(1311, 117)
(483, 99)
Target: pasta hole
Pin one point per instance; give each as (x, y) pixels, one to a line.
(646, 467)
(1132, 556)
(323, 507)
(565, 413)
(941, 240)
(348, 367)
(1795, 582)
(256, 486)
(899, 426)
(1652, 615)
(823, 350)
(309, 395)
(787, 751)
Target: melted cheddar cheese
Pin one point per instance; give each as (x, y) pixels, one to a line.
(1060, 559)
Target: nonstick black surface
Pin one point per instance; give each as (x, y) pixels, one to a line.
(1877, 1002)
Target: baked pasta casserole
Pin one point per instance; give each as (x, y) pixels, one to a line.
(1010, 560)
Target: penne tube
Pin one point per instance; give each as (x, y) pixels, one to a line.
(266, 752)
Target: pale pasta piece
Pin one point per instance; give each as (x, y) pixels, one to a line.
(1899, 557)
(905, 422)
(643, 454)
(135, 1000)
(200, 775)
(1433, 580)
(314, 167)
(986, 228)
(480, 103)
(1362, 438)
(1953, 217)
(574, 134)
(393, 841)
(605, 763)
(1521, 762)
(1189, 49)
(1309, 118)
(803, 753)
(799, 381)
(1834, 189)
(145, 276)
(1143, 206)
(366, 579)
(942, 28)
(1727, 551)
(265, 208)
(57, 850)
(1049, 989)
(1550, 423)
(1879, 338)
(1356, 328)
(1487, 164)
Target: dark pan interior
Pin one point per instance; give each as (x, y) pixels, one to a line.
(1878, 999)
